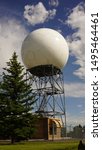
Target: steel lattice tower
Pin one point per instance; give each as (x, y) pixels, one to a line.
(48, 87)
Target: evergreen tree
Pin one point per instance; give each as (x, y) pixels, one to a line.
(16, 100)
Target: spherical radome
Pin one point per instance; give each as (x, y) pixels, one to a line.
(44, 46)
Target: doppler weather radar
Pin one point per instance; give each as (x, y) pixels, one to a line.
(44, 53)
(44, 46)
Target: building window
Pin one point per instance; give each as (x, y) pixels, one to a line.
(53, 128)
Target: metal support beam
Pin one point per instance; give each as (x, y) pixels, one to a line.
(48, 89)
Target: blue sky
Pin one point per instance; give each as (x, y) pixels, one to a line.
(19, 17)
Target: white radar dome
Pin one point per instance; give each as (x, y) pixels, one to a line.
(44, 46)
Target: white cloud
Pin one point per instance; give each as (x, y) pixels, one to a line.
(36, 14)
(75, 119)
(82, 112)
(52, 13)
(79, 105)
(76, 20)
(59, 30)
(54, 3)
(74, 90)
(12, 33)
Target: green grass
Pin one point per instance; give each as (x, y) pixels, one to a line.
(65, 145)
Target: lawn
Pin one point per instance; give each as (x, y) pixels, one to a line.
(61, 145)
